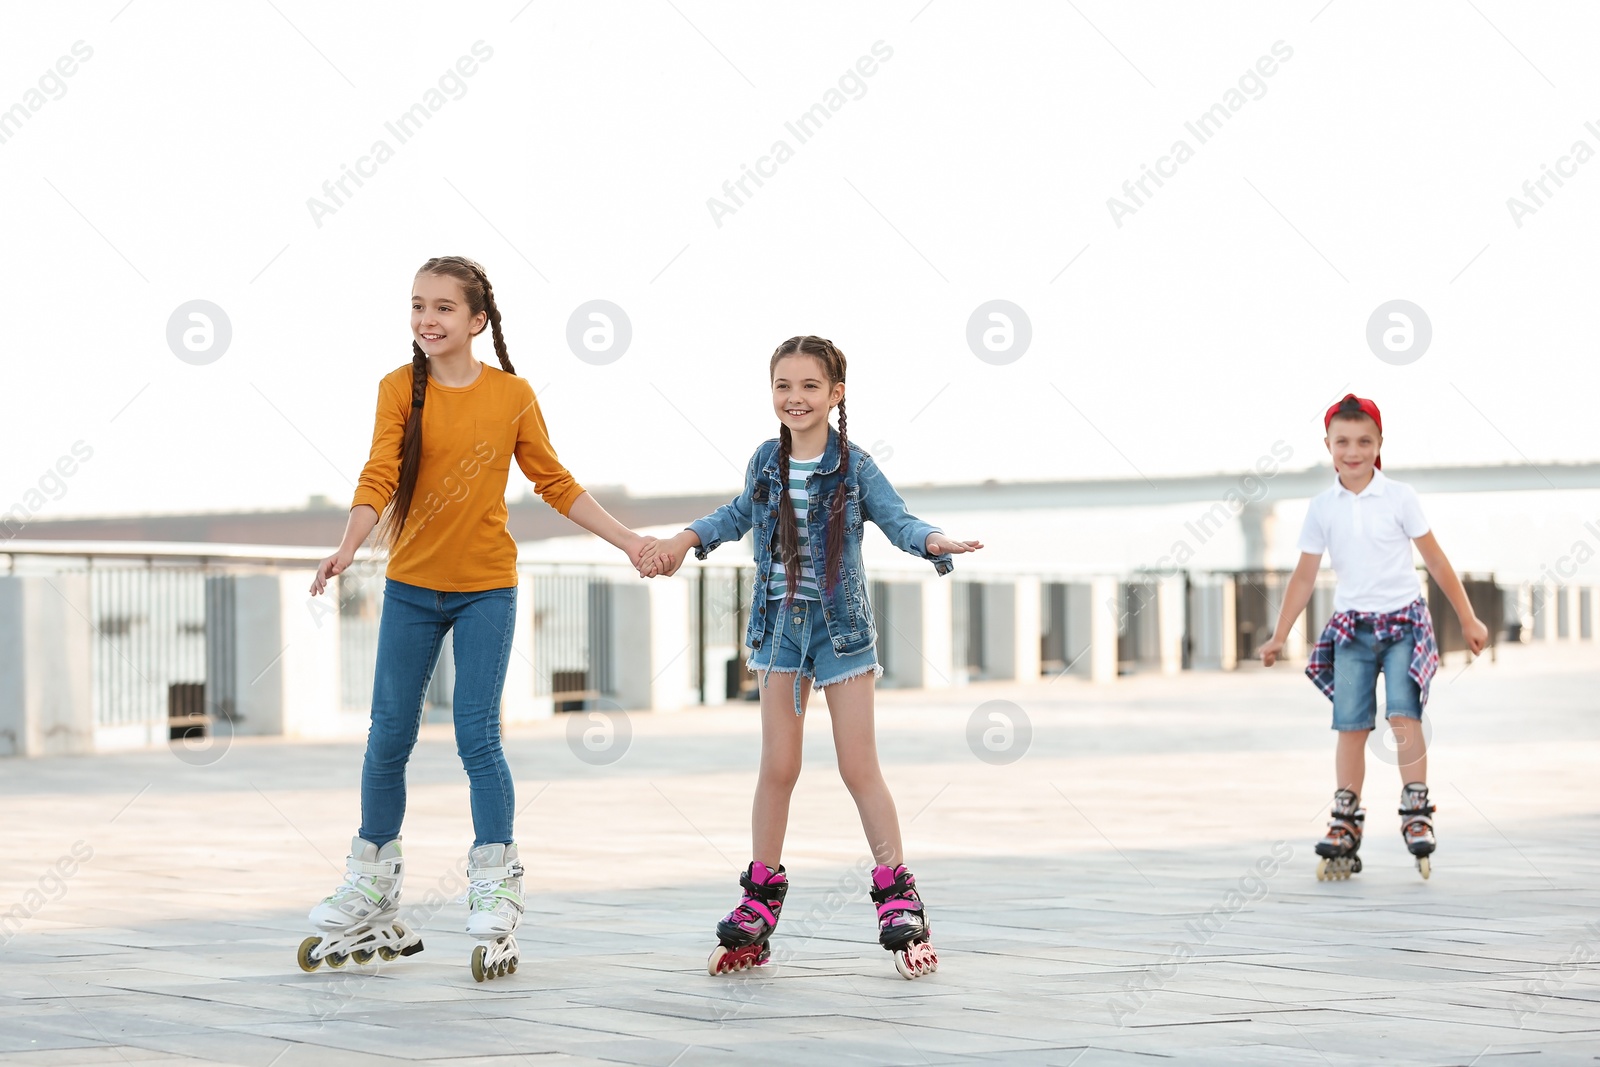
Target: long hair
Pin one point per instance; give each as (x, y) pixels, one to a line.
(833, 367)
(480, 298)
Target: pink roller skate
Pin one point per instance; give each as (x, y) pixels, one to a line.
(745, 932)
(902, 921)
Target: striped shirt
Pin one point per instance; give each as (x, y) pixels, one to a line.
(778, 581)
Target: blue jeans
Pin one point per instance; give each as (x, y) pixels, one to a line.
(411, 633)
(1355, 677)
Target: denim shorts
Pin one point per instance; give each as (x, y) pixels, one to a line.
(799, 644)
(1356, 664)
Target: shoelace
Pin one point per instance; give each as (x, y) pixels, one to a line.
(351, 886)
(482, 894)
(479, 892)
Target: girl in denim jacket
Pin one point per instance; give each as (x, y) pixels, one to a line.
(807, 495)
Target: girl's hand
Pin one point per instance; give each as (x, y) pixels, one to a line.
(328, 568)
(1475, 633)
(651, 559)
(639, 550)
(938, 544)
(1269, 651)
(664, 558)
(673, 551)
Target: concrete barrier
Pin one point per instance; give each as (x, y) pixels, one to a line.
(46, 707)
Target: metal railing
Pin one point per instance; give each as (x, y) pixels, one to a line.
(165, 654)
(150, 663)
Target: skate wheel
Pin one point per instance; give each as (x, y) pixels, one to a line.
(304, 958)
(916, 960)
(386, 953)
(714, 962)
(478, 972)
(511, 966)
(1425, 866)
(1337, 869)
(336, 959)
(362, 955)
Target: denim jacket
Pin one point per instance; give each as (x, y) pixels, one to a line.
(869, 495)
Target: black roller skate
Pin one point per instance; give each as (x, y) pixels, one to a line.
(1339, 850)
(747, 929)
(903, 921)
(1416, 825)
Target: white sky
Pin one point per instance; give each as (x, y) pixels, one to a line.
(1220, 318)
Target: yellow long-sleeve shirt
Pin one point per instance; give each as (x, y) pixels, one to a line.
(456, 538)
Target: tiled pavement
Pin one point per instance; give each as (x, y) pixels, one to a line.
(1100, 901)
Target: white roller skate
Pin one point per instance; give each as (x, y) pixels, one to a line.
(494, 897)
(358, 918)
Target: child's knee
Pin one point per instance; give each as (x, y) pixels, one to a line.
(780, 772)
(860, 776)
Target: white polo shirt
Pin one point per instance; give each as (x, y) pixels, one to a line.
(1367, 536)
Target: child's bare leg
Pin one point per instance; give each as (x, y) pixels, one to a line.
(1411, 747)
(1350, 761)
(781, 737)
(850, 705)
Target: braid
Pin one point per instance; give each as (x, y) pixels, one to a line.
(841, 497)
(788, 531)
(494, 320)
(393, 523)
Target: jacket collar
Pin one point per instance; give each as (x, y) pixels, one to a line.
(830, 454)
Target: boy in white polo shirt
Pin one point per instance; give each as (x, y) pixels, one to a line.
(1367, 523)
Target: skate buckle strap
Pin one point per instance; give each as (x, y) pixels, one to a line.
(769, 892)
(899, 895)
(494, 874)
(378, 868)
(903, 884)
(754, 907)
(1428, 810)
(899, 904)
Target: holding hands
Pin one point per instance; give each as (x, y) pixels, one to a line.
(665, 557)
(653, 558)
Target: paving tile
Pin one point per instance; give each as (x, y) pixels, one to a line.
(1089, 902)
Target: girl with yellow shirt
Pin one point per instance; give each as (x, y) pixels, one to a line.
(446, 432)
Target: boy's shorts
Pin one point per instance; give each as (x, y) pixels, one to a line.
(799, 644)
(1356, 664)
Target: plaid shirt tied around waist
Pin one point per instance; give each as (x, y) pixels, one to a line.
(1388, 626)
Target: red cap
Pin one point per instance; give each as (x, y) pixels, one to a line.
(1368, 408)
